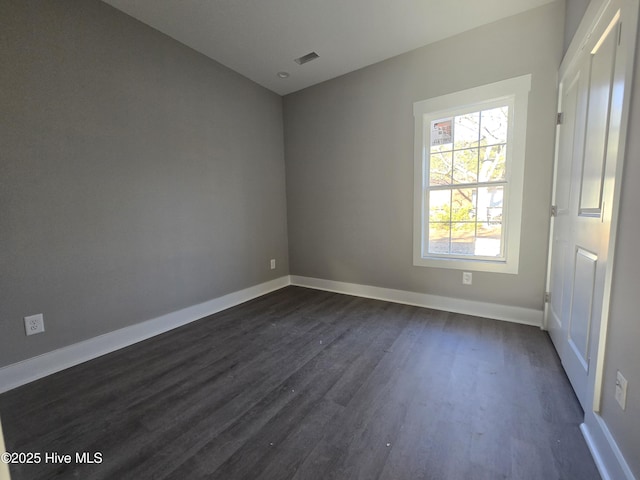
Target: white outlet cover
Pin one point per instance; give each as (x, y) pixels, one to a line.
(621, 390)
(273, 263)
(34, 324)
(467, 278)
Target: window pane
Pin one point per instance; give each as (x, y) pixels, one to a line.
(466, 130)
(440, 134)
(439, 238)
(493, 163)
(463, 238)
(489, 239)
(463, 205)
(494, 125)
(465, 166)
(441, 148)
(440, 168)
(440, 206)
(490, 203)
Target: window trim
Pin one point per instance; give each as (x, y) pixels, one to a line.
(517, 90)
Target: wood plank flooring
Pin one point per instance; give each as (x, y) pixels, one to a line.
(303, 384)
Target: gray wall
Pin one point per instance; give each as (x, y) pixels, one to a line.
(137, 177)
(623, 336)
(574, 11)
(349, 158)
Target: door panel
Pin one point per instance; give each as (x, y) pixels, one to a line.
(602, 63)
(582, 305)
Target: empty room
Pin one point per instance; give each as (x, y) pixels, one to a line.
(303, 239)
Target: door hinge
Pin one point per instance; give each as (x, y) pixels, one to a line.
(547, 297)
(554, 210)
(559, 118)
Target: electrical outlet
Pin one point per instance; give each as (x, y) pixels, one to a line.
(273, 264)
(34, 324)
(621, 390)
(467, 278)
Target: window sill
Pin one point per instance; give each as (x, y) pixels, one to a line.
(510, 267)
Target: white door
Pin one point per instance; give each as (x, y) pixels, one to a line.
(570, 87)
(586, 159)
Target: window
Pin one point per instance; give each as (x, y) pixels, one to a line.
(469, 169)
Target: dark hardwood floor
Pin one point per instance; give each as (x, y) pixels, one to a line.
(303, 384)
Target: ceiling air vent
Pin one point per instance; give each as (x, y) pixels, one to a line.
(306, 58)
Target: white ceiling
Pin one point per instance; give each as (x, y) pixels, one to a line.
(259, 38)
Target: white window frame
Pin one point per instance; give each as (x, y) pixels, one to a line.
(513, 92)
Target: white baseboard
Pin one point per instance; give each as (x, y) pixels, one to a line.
(604, 449)
(526, 316)
(26, 371)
